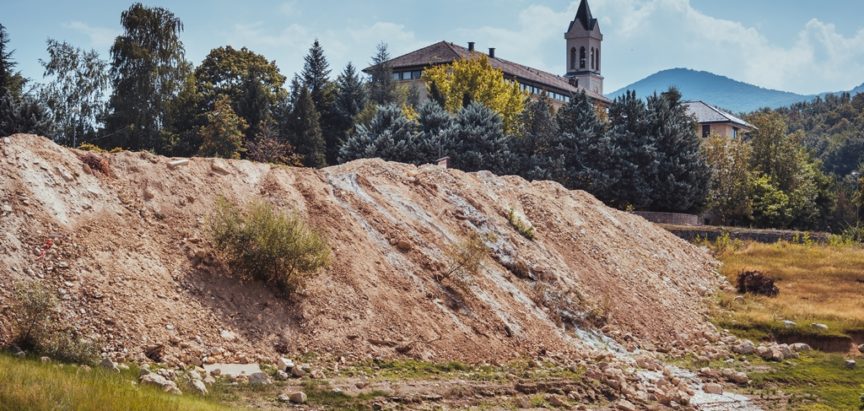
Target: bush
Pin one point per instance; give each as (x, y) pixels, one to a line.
(755, 282)
(467, 257)
(521, 226)
(38, 329)
(261, 243)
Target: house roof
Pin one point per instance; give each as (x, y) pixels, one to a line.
(583, 15)
(706, 113)
(445, 52)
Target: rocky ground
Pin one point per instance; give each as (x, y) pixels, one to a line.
(599, 292)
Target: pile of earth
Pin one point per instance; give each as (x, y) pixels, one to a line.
(124, 245)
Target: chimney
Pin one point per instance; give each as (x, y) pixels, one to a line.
(492, 52)
(470, 46)
(443, 162)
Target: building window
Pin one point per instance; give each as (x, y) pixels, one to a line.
(598, 59)
(734, 132)
(573, 58)
(706, 130)
(395, 76)
(582, 58)
(592, 58)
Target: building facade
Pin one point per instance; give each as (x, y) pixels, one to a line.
(583, 62)
(712, 120)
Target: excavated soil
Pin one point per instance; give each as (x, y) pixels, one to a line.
(127, 252)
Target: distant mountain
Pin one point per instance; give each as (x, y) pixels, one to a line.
(716, 90)
(857, 90)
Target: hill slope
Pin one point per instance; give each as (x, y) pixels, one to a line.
(130, 260)
(717, 90)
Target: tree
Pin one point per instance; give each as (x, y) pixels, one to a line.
(730, 191)
(636, 157)
(19, 111)
(436, 132)
(475, 80)
(533, 147)
(316, 78)
(75, 93)
(478, 141)
(306, 131)
(382, 90)
(11, 82)
(148, 69)
(222, 136)
(268, 147)
(389, 136)
(350, 100)
(253, 84)
(681, 182)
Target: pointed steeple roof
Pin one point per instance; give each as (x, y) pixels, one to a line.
(583, 16)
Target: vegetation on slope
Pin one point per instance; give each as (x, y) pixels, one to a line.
(32, 385)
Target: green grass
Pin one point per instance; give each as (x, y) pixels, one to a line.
(27, 384)
(409, 369)
(814, 375)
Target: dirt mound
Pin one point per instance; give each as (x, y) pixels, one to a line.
(127, 254)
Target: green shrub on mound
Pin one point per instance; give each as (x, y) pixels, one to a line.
(260, 242)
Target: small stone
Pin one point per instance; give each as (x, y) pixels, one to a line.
(199, 387)
(286, 364)
(298, 372)
(227, 335)
(174, 164)
(789, 324)
(259, 378)
(746, 347)
(109, 365)
(281, 375)
(740, 378)
(298, 397)
(6, 208)
(219, 167)
(283, 398)
(160, 382)
(556, 401)
(800, 347)
(819, 326)
(713, 388)
(861, 348)
(44, 360)
(625, 405)
(850, 364)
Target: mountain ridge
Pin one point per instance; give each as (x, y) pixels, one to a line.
(718, 90)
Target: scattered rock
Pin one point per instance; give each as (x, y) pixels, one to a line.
(789, 324)
(44, 360)
(298, 372)
(746, 347)
(625, 405)
(800, 347)
(861, 348)
(770, 353)
(109, 365)
(556, 401)
(160, 382)
(174, 164)
(259, 378)
(713, 388)
(298, 397)
(281, 375)
(819, 326)
(286, 364)
(199, 387)
(850, 364)
(219, 167)
(227, 335)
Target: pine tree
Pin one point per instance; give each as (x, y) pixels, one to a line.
(681, 182)
(636, 153)
(537, 135)
(316, 77)
(350, 100)
(389, 136)
(586, 154)
(223, 134)
(19, 112)
(479, 142)
(436, 128)
(382, 90)
(7, 65)
(306, 130)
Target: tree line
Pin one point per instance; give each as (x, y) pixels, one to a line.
(640, 154)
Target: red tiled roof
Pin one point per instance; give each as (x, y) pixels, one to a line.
(444, 52)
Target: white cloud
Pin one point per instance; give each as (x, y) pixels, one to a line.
(645, 36)
(352, 44)
(100, 37)
(290, 8)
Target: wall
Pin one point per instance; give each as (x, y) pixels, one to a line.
(670, 218)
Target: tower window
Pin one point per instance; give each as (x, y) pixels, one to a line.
(598, 59)
(592, 58)
(573, 58)
(582, 58)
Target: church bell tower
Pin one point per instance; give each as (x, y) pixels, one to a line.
(584, 42)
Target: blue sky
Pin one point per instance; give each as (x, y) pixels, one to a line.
(795, 45)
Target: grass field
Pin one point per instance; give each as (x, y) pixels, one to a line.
(27, 385)
(818, 284)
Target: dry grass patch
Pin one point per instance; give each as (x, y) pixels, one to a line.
(818, 283)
